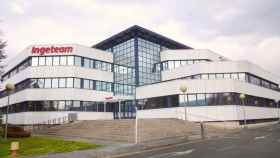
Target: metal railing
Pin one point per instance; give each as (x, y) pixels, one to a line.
(52, 122)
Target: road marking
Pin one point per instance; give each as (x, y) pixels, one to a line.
(172, 154)
(262, 137)
(226, 148)
(156, 149)
(184, 152)
(161, 148)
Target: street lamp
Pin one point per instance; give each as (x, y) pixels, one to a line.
(9, 88)
(183, 89)
(242, 97)
(277, 103)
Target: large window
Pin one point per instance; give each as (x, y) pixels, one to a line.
(49, 61)
(48, 83)
(55, 83)
(35, 61)
(62, 82)
(77, 83)
(56, 60)
(63, 60)
(70, 82)
(227, 98)
(78, 61)
(60, 61)
(241, 76)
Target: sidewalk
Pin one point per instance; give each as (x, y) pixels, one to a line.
(115, 148)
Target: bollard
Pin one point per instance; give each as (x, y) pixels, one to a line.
(202, 130)
(14, 149)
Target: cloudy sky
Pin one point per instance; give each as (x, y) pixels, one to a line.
(238, 29)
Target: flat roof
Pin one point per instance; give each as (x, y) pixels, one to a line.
(137, 31)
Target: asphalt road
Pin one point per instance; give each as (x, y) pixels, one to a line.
(250, 143)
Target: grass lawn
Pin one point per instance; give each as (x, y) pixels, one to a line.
(43, 145)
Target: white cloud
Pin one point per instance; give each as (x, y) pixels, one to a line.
(19, 6)
(219, 26)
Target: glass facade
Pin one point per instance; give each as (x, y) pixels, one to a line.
(68, 82)
(57, 105)
(205, 99)
(172, 64)
(148, 55)
(59, 61)
(124, 67)
(241, 76)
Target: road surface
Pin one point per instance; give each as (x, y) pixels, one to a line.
(251, 143)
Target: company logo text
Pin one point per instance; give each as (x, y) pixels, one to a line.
(51, 50)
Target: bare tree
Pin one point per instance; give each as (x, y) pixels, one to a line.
(3, 55)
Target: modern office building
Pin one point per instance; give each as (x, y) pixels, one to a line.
(135, 67)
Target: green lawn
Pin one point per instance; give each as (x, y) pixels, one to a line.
(43, 145)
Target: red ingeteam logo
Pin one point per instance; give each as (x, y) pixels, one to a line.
(51, 50)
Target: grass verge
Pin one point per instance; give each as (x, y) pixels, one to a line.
(43, 145)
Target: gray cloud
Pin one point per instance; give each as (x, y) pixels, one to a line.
(238, 29)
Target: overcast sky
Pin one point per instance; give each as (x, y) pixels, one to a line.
(237, 29)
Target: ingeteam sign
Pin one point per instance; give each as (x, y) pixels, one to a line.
(53, 50)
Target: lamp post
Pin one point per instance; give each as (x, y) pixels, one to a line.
(242, 97)
(9, 88)
(277, 103)
(183, 89)
(136, 125)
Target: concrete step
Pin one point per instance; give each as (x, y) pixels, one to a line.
(116, 130)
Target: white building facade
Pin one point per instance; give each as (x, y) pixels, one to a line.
(214, 85)
(135, 67)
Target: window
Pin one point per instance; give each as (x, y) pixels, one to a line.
(34, 83)
(212, 76)
(192, 99)
(56, 61)
(63, 60)
(201, 99)
(183, 63)
(76, 105)
(61, 105)
(265, 84)
(62, 82)
(70, 60)
(165, 66)
(227, 76)
(210, 99)
(98, 86)
(171, 65)
(48, 83)
(204, 76)
(34, 61)
(55, 83)
(92, 65)
(242, 77)
(78, 61)
(190, 62)
(219, 76)
(98, 65)
(86, 84)
(70, 82)
(49, 61)
(40, 83)
(86, 63)
(176, 64)
(254, 80)
(234, 76)
(90, 84)
(68, 104)
(77, 83)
